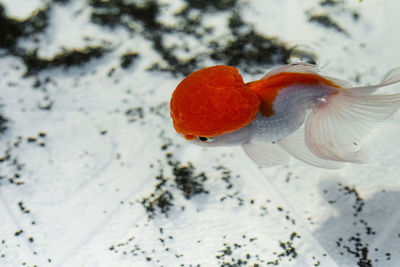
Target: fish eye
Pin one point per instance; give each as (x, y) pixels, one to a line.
(205, 139)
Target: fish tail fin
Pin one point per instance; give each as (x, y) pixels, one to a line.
(333, 130)
(391, 77)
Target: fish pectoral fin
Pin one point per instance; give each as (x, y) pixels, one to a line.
(295, 145)
(266, 154)
(333, 131)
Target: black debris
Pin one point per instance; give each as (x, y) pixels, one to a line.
(326, 21)
(128, 59)
(189, 183)
(67, 59)
(3, 124)
(134, 114)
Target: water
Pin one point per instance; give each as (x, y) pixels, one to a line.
(93, 174)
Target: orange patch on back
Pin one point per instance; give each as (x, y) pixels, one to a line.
(211, 102)
(268, 89)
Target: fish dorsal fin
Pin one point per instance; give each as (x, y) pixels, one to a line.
(303, 67)
(266, 154)
(339, 82)
(299, 67)
(295, 145)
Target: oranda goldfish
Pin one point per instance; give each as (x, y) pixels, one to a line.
(292, 110)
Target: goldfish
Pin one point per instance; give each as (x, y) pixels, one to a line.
(293, 110)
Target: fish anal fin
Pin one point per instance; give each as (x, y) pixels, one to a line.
(266, 154)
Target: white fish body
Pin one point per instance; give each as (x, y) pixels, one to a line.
(318, 121)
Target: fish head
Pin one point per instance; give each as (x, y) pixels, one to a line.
(213, 103)
(234, 138)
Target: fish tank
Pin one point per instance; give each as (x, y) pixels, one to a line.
(93, 173)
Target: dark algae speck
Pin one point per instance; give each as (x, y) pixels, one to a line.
(128, 59)
(12, 29)
(360, 224)
(243, 46)
(239, 254)
(115, 13)
(19, 232)
(211, 5)
(184, 179)
(179, 185)
(249, 49)
(3, 124)
(134, 114)
(10, 166)
(161, 200)
(330, 8)
(22, 208)
(326, 21)
(358, 200)
(187, 182)
(69, 58)
(330, 2)
(354, 244)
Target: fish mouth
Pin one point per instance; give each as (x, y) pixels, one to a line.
(198, 141)
(234, 138)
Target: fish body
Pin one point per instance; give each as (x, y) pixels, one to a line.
(292, 110)
(285, 98)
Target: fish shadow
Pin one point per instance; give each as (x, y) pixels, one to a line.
(363, 231)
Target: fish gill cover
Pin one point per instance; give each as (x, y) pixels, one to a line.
(89, 157)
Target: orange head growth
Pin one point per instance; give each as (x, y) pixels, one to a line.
(212, 101)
